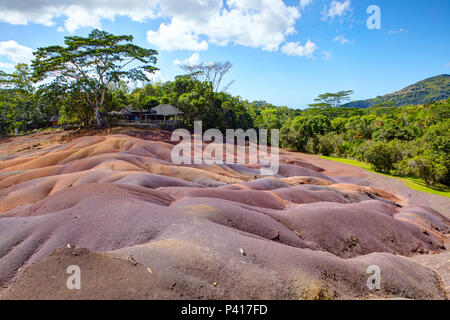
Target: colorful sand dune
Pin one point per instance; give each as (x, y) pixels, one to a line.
(141, 227)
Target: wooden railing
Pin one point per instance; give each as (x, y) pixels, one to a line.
(152, 123)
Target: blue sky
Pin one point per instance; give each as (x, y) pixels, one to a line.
(284, 52)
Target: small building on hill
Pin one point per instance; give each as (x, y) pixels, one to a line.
(164, 115)
(54, 120)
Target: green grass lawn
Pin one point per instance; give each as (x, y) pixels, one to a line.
(413, 183)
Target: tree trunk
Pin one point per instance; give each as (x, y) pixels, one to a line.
(98, 117)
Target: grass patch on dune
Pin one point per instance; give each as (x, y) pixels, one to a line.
(352, 162)
(420, 185)
(413, 183)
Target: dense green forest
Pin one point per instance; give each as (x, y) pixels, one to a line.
(409, 141)
(88, 78)
(432, 89)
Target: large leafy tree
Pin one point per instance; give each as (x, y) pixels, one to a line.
(295, 133)
(213, 72)
(6, 84)
(7, 81)
(50, 98)
(327, 100)
(16, 105)
(89, 65)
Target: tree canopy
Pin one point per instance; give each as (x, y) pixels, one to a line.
(89, 77)
(213, 72)
(326, 100)
(88, 65)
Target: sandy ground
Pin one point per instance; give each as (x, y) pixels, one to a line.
(348, 173)
(140, 227)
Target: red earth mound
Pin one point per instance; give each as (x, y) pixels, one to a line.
(203, 231)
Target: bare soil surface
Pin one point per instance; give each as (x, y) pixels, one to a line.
(140, 227)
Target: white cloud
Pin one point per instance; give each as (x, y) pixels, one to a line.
(447, 64)
(201, 10)
(79, 17)
(401, 30)
(155, 76)
(176, 36)
(194, 59)
(16, 52)
(304, 3)
(189, 24)
(296, 49)
(337, 9)
(263, 23)
(6, 65)
(79, 13)
(326, 55)
(342, 40)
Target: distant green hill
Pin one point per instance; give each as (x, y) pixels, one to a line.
(431, 89)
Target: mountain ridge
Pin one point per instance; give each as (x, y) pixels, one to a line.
(428, 90)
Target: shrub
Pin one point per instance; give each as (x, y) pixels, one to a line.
(431, 170)
(437, 137)
(382, 156)
(313, 145)
(326, 146)
(342, 148)
(391, 131)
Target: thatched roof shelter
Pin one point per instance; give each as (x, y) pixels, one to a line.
(166, 110)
